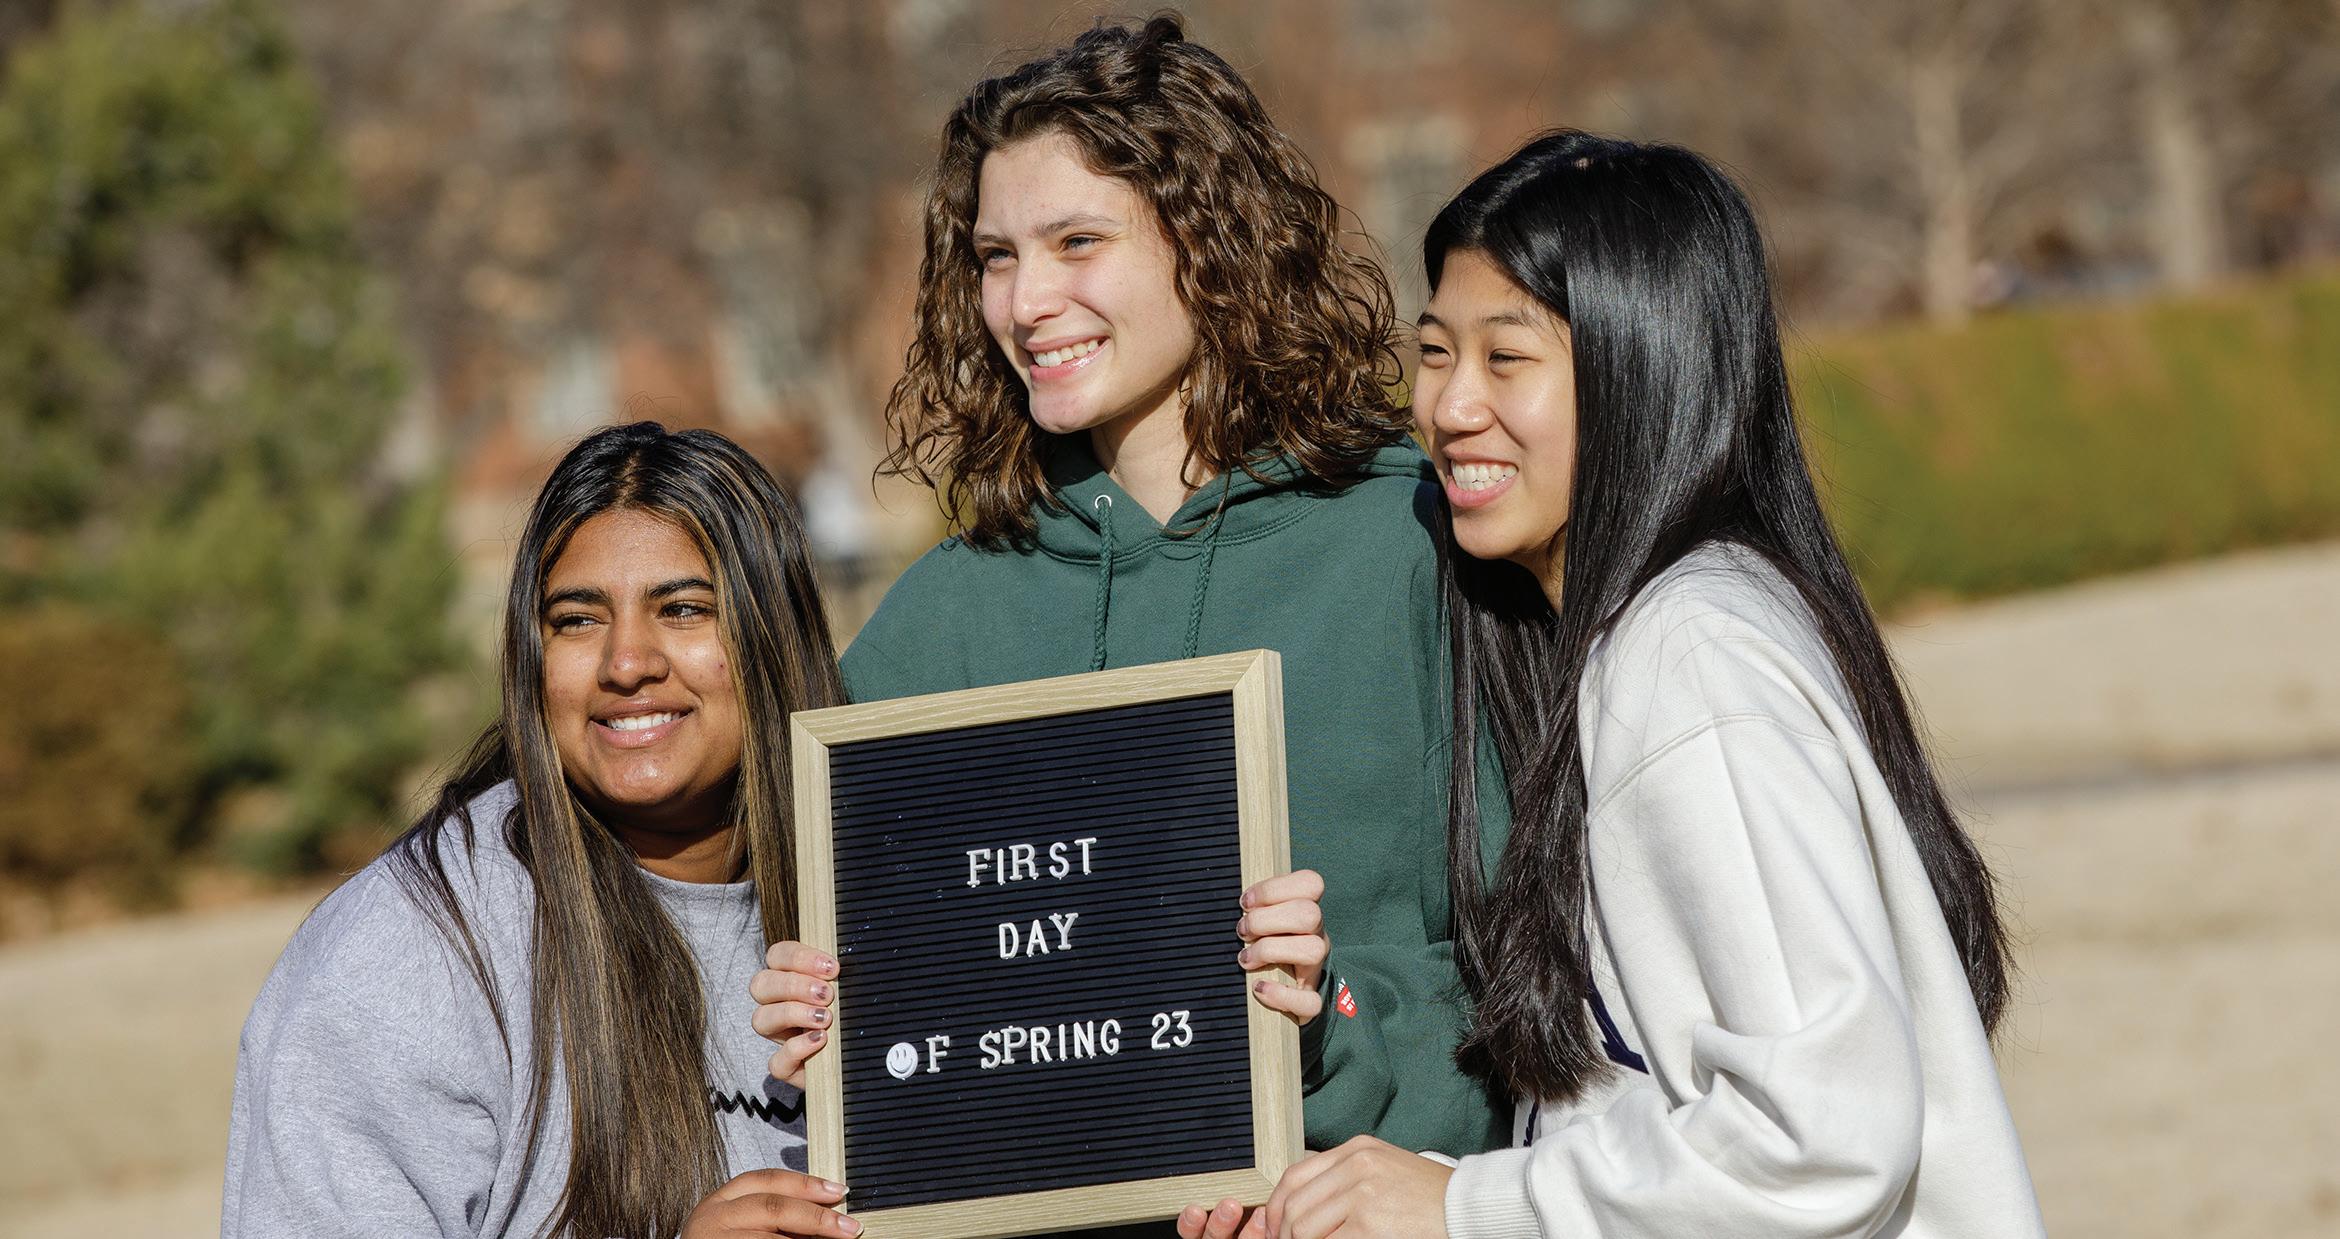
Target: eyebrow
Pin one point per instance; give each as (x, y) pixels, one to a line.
(590, 596)
(1509, 318)
(1078, 219)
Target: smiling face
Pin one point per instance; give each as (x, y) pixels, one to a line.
(1495, 400)
(637, 683)
(1080, 290)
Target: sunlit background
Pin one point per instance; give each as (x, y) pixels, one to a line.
(300, 300)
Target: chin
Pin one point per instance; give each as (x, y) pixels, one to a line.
(1481, 544)
(1068, 421)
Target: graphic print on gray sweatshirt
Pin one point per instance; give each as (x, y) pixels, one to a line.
(374, 1096)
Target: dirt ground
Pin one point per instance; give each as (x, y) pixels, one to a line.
(2153, 763)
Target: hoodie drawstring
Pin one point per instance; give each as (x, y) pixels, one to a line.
(1103, 507)
(1202, 581)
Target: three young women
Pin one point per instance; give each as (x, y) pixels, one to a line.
(1739, 962)
(1153, 389)
(530, 1016)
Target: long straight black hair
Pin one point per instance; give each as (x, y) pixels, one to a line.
(615, 999)
(1686, 435)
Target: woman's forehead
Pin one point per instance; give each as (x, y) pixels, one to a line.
(626, 545)
(1042, 185)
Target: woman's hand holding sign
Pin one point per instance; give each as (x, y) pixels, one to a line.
(795, 995)
(1283, 926)
(771, 1202)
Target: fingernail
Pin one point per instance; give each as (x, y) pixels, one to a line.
(820, 1016)
(1243, 957)
(834, 1186)
(1250, 899)
(1243, 927)
(820, 991)
(849, 1226)
(816, 1036)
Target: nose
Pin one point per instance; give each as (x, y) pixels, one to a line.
(1460, 405)
(1038, 294)
(633, 657)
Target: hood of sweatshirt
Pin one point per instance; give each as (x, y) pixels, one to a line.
(1090, 500)
(1096, 521)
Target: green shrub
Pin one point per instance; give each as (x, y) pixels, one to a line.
(2044, 446)
(97, 754)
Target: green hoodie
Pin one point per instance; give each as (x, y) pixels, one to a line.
(1343, 584)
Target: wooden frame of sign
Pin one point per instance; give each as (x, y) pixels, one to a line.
(1041, 1024)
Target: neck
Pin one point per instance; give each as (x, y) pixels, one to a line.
(1546, 570)
(704, 856)
(1147, 454)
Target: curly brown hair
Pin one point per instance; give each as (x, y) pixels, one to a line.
(1294, 334)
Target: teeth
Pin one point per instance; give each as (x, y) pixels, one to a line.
(1471, 476)
(1070, 352)
(640, 722)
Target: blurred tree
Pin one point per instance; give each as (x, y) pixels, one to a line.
(1910, 140)
(2220, 90)
(197, 382)
(557, 181)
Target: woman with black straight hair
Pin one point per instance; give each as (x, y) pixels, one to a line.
(1739, 962)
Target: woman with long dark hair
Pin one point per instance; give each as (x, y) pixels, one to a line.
(530, 1016)
(1152, 388)
(1739, 960)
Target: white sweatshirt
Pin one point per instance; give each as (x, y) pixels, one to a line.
(1797, 1050)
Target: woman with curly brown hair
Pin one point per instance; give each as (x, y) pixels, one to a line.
(1153, 391)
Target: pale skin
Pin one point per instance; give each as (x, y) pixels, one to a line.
(1496, 392)
(1495, 401)
(639, 700)
(1077, 263)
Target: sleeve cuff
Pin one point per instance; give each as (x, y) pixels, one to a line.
(1488, 1197)
(1314, 1033)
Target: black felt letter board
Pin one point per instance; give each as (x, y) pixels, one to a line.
(1130, 1058)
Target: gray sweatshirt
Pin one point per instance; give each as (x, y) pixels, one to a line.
(373, 1096)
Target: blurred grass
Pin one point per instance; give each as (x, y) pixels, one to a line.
(2043, 446)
